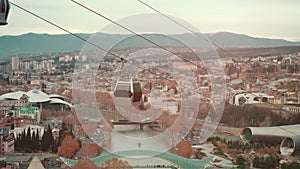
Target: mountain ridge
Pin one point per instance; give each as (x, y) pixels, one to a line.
(31, 43)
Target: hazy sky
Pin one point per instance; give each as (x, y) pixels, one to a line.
(259, 18)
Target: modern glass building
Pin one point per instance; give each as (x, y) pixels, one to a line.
(166, 159)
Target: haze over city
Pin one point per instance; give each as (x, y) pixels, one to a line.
(107, 84)
(271, 19)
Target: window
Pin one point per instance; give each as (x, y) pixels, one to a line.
(256, 99)
(264, 99)
(2, 6)
(242, 101)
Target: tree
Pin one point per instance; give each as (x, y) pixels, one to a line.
(47, 139)
(293, 165)
(62, 132)
(184, 149)
(115, 163)
(69, 146)
(256, 162)
(54, 147)
(17, 140)
(86, 164)
(89, 150)
(240, 161)
(27, 140)
(34, 141)
(270, 162)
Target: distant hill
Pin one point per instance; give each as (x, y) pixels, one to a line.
(44, 43)
(232, 40)
(38, 43)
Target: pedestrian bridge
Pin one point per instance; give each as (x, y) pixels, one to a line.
(141, 124)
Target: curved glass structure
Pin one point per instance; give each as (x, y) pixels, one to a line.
(173, 159)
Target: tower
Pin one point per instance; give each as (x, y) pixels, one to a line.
(15, 63)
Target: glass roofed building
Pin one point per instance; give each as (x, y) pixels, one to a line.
(153, 160)
(21, 100)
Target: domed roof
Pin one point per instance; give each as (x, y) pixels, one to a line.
(37, 96)
(58, 101)
(57, 96)
(13, 95)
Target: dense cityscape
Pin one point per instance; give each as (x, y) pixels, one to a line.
(149, 90)
(36, 97)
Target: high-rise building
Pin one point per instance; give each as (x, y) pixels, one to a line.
(26, 66)
(34, 64)
(15, 63)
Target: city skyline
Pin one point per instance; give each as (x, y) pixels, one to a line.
(271, 19)
(132, 83)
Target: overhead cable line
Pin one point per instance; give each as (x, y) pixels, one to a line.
(148, 40)
(133, 32)
(64, 29)
(183, 26)
(190, 30)
(73, 34)
(121, 58)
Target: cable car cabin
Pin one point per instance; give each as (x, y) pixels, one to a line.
(4, 9)
(129, 89)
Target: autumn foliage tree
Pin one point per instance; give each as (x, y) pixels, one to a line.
(184, 149)
(69, 147)
(168, 119)
(85, 164)
(115, 163)
(89, 150)
(50, 113)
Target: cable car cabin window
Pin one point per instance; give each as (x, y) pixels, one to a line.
(2, 6)
(123, 91)
(265, 99)
(256, 99)
(7, 9)
(137, 87)
(137, 95)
